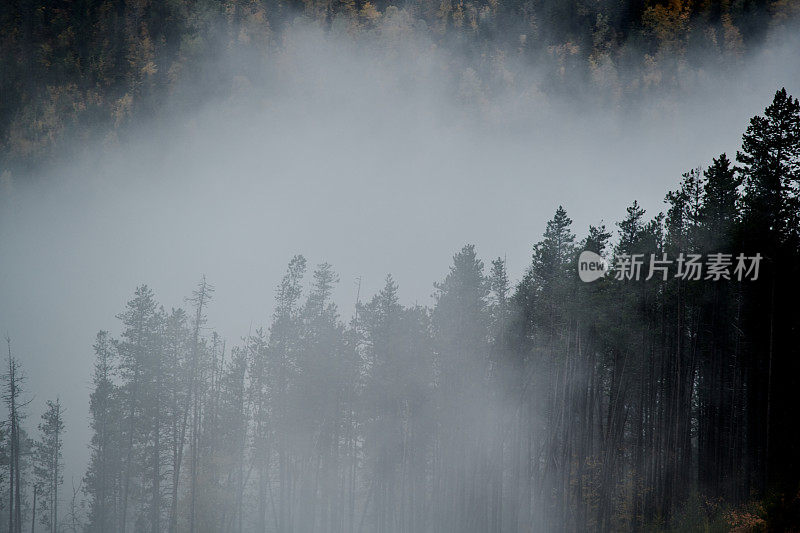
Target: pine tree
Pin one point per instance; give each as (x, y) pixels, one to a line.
(137, 348)
(103, 475)
(770, 165)
(48, 464)
(460, 324)
(14, 380)
(176, 368)
(721, 198)
(200, 298)
(283, 351)
(383, 350)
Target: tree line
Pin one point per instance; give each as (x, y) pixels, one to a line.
(88, 69)
(545, 405)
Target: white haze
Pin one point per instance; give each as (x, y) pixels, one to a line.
(365, 160)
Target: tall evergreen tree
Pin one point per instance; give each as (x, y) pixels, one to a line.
(103, 476)
(14, 380)
(48, 463)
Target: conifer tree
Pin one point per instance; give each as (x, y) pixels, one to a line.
(48, 463)
(14, 380)
(103, 476)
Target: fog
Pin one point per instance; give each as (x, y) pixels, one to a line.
(365, 160)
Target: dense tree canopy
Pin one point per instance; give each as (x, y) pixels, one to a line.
(89, 68)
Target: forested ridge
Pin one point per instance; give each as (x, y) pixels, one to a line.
(87, 70)
(545, 405)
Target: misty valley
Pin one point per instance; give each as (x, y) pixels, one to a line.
(540, 404)
(433, 266)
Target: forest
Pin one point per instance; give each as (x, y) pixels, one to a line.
(92, 70)
(541, 404)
